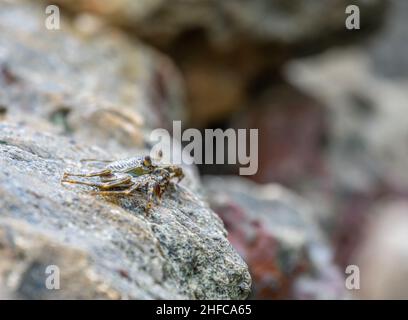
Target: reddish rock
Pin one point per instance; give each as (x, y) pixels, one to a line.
(277, 235)
(260, 250)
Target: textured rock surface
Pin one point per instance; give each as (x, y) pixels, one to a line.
(68, 95)
(76, 79)
(180, 250)
(276, 233)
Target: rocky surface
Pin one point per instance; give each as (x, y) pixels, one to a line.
(366, 154)
(293, 129)
(178, 250)
(364, 92)
(331, 128)
(389, 46)
(227, 49)
(367, 132)
(228, 23)
(74, 94)
(382, 276)
(277, 234)
(80, 77)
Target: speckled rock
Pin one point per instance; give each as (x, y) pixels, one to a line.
(86, 92)
(75, 79)
(105, 248)
(276, 233)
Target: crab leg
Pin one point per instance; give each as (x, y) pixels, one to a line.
(103, 185)
(96, 160)
(127, 191)
(154, 191)
(104, 172)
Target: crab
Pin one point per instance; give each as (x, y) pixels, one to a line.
(123, 177)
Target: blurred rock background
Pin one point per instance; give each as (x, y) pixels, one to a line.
(329, 104)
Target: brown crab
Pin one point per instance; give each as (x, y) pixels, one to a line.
(123, 177)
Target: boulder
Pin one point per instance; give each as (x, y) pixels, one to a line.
(278, 235)
(69, 95)
(104, 247)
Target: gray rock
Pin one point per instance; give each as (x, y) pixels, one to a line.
(105, 248)
(388, 49)
(383, 276)
(97, 86)
(229, 50)
(74, 94)
(277, 234)
(368, 131)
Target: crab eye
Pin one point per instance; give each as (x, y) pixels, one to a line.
(147, 161)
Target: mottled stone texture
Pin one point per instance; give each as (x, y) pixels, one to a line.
(78, 79)
(65, 96)
(278, 235)
(178, 250)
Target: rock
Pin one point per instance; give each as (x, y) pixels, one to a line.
(364, 90)
(28, 255)
(74, 94)
(179, 250)
(366, 130)
(389, 46)
(292, 135)
(229, 23)
(225, 48)
(276, 233)
(381, 255)
(76, 80)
